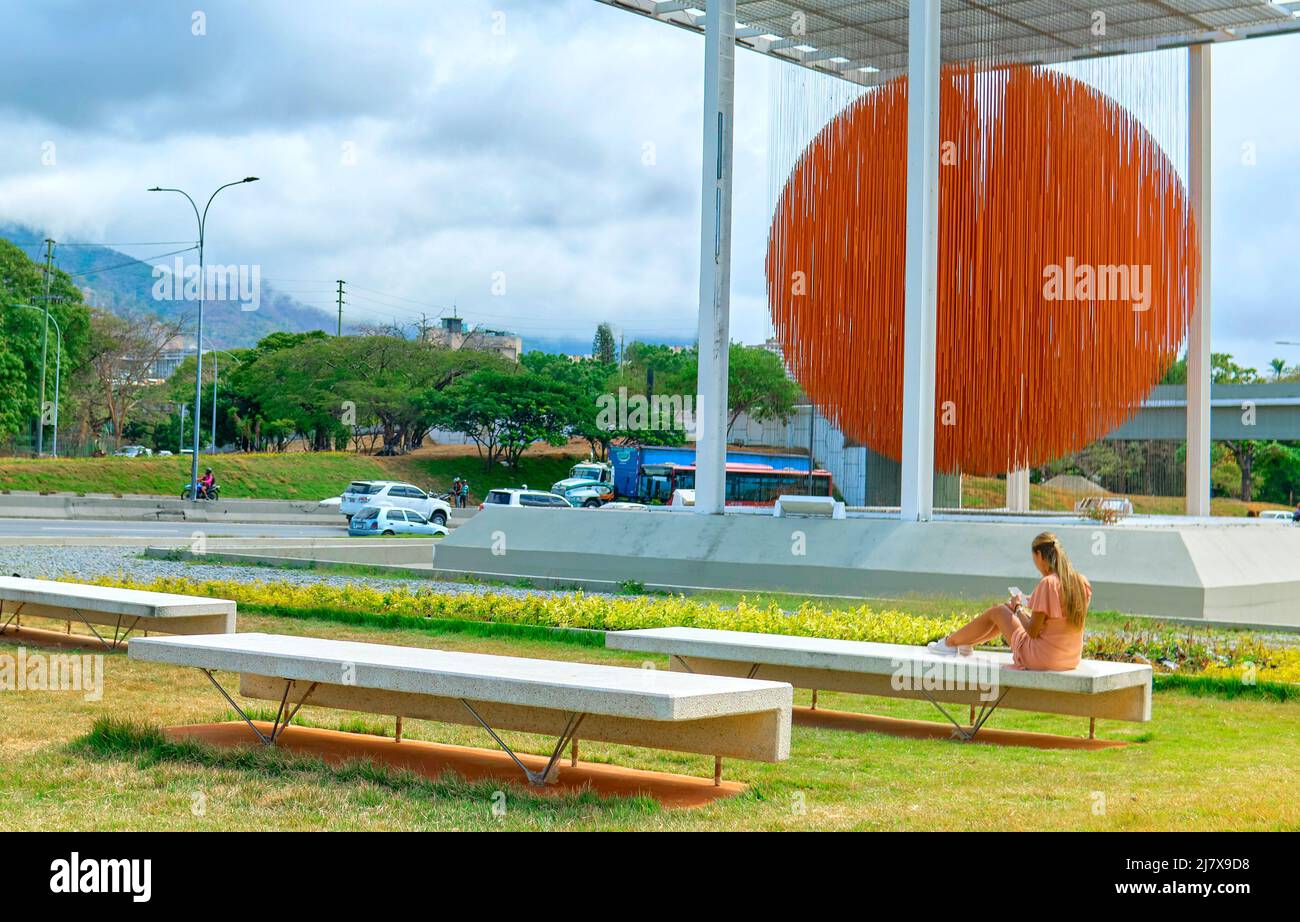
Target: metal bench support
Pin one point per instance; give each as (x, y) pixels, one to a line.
(568, 734)
(277, 727)
(977, 722)
(13, 617)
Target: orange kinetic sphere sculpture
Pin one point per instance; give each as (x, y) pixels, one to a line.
(1068, 267)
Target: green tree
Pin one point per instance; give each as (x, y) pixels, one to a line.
(758, 385)
(122, 354)
(1243, 452)
(23, 282)
(1223, 370)
(603, 347)
(504, 412)
(1277, 470)
(660, 378)
(339, 387)
(1177, 372)
(1279, 368)
(587, 380)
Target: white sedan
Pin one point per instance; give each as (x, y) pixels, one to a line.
(389, 521)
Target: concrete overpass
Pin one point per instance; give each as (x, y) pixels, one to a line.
(1237, 411)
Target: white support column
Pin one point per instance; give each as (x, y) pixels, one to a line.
(715, 257)
(1198, 334)
(1018, 490)
(922, 262)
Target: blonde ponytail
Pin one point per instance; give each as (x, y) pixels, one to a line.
(1074, 598)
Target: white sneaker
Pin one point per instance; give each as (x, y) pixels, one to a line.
(941, 647)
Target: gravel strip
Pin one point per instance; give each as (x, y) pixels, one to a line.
(87, 563)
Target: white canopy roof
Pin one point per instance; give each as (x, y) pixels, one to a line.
(866, 42)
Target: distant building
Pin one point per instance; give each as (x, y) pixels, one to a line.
(162, 366)
(774, 347)
(452, 334)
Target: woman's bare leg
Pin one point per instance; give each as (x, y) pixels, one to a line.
(984, 627)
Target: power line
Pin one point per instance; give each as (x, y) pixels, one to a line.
(526, 324)
(152, 243)
(383, 310)
(390, 307)
(134, 262)
(399, 297)
(354, 288)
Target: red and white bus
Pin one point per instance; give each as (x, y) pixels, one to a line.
(747, 484)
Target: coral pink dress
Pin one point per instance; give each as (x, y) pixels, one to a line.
(1060, 645)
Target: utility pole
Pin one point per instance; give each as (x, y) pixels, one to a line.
(45, 348)
(340, 333)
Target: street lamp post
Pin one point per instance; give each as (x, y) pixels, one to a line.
(212, 446)
(198, 346)
(58, 364)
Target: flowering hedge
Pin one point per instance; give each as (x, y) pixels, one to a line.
(572, 610)
(1243, 658)
(1276, 665)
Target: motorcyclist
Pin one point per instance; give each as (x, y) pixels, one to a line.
(206, 482)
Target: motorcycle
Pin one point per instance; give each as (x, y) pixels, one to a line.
(212, 495)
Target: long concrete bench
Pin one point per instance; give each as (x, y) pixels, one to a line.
(124, 610)
(709, 715)
(1117, 691)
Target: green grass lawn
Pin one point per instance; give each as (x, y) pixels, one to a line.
(298, 475)
(991, 493)
(1203, 762)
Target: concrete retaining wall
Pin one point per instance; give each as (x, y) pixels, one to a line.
(1244, 574)
(133, 508)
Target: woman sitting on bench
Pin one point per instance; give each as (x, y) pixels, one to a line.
(1046, 630)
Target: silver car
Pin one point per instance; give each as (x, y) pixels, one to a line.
(389, 521)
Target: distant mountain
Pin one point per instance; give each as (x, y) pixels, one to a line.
(121, 283)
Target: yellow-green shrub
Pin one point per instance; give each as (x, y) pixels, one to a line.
(1271, 665)
(1190, 654)
(571, 610)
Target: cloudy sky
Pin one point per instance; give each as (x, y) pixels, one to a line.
(425, 150)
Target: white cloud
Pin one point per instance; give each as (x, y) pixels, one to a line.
(475, 152)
